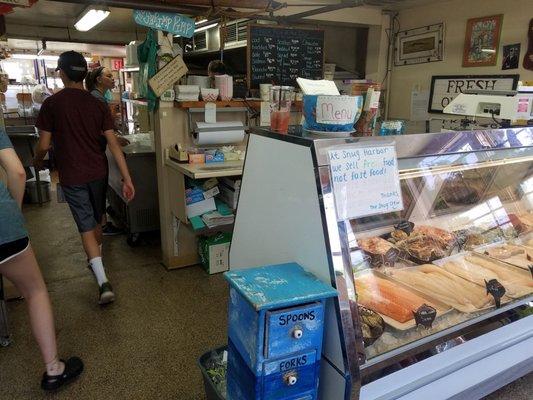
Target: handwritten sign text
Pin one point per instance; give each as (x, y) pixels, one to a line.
(365, 181)
(336, 110)
(168, 75)
(173, 23)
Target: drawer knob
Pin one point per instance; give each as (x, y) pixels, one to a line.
(297, 333)
(291, 379)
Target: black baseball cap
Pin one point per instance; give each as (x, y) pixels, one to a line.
(73, 64)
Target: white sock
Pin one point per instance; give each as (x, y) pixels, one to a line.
(98, 269)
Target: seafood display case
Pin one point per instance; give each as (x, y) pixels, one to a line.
(454, 263)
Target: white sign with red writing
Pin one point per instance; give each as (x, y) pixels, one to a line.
(336, 110)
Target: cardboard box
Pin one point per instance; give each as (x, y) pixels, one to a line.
(214, 252)
(201, 207)
(229, 196)
(211, 192)
(234, 183)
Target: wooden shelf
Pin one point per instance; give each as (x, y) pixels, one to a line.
(201, 104)
(212, 231)
(255, 104)
(139, 102)
(206, 171)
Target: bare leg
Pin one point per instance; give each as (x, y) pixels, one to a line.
(99, 235)
(92, 241)
(24, 272)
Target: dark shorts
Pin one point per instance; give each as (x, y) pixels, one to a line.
(87, 203)
(13, 249)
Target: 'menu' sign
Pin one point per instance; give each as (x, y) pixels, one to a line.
(445, 88)
(336, 110)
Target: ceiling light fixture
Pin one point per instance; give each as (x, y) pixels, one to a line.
(201, 21)
(204, 28)
(91, 17)
(27, 56)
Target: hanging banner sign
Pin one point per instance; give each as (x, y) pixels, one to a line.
(173, 23)
(365, 181)
(167, 76)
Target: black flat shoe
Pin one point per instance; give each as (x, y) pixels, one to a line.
(73, 368)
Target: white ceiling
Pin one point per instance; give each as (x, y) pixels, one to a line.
(55, 20)
(55, 48)
(51, 13)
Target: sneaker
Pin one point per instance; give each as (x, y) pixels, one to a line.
(73, 368)
(106, 294)
(111, 230)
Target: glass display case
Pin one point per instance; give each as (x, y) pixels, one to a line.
(454, 263)
(462, 245)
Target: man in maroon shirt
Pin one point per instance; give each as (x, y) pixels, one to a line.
(78, 127)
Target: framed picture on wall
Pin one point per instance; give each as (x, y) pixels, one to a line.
(482, 41)
(511, 56)
(419, 45)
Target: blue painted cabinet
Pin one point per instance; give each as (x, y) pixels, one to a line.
(276, 324)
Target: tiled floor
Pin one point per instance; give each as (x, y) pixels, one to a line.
(146, 345)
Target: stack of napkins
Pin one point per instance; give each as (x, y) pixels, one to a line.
(318, 87)
(214, 218)
(187, 92)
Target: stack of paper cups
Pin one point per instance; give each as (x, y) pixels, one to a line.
(264, 91)
(224, 83)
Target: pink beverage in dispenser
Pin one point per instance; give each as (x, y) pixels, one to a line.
(280, 108)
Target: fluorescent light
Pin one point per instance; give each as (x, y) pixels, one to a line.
(488, 50)
(204, 28)
(90, 18)
(25, 56)
(201, 21)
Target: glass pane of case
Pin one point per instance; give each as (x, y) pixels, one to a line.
(463, 245)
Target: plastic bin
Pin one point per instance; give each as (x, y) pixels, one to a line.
(30, 194)
(211, 391)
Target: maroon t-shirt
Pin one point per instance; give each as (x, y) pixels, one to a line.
(77, 121)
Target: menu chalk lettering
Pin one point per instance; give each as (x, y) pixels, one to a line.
(290, 52)
(365, 181)
(496, 290)
(425, 315)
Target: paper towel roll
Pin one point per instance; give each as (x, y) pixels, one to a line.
(223, 137)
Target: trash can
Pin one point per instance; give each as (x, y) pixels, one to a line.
(31, 196)
(210, 364)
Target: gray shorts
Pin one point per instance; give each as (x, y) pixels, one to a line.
(87, 203)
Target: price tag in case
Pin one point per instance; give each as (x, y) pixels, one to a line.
(496, 290)
(425, 315)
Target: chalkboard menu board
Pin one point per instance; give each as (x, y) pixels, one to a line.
(280, 55)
